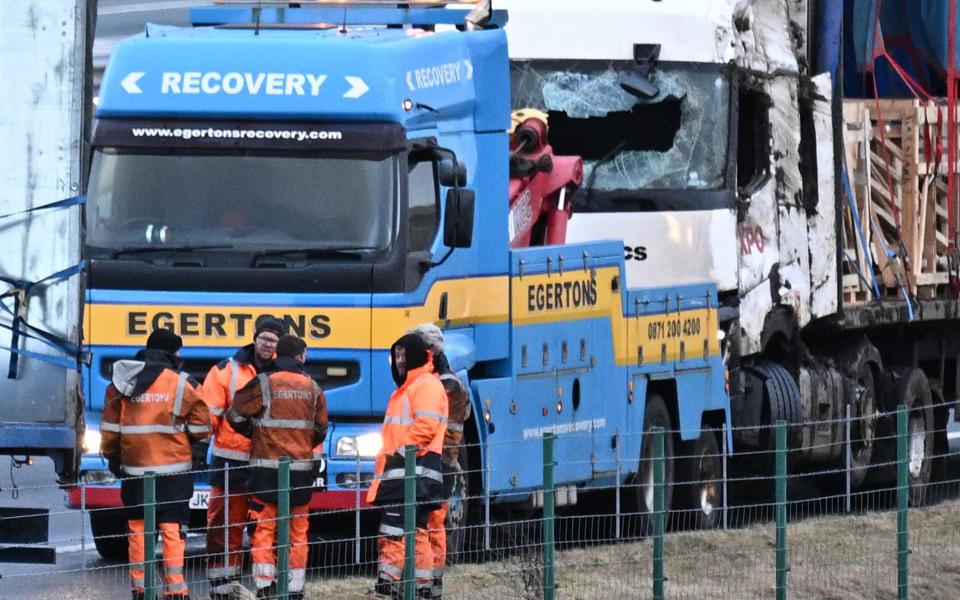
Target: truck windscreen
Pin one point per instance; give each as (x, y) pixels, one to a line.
(675, 140)
(246, 200)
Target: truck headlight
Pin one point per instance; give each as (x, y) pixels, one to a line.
(360, 446)
(91, 441)
(99, 478)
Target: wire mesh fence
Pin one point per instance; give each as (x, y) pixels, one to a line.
(684, 519)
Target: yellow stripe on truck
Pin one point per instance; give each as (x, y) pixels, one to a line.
(469, 301)
(534, 299)
(223, 326)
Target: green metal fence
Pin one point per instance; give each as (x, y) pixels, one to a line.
(765, 535)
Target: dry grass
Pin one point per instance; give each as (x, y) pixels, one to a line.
(837, 557)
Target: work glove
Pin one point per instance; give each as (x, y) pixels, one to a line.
(198, 451)
(114, 466)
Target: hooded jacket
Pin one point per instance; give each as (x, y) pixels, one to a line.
(416, 415)
(219, 387)
(152, 413)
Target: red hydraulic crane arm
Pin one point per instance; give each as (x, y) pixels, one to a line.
(541, 186)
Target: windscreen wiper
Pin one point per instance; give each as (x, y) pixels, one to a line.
(312, 252)
(150, 249)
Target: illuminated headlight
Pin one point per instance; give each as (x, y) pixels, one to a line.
(363, 446)
(91, 441)
(99, 478)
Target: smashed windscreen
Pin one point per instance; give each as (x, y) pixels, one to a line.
(674, 140)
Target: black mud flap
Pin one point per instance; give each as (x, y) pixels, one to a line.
(25, 526)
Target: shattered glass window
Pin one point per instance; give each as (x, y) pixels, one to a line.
(674, 140)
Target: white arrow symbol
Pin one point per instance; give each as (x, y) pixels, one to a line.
(469, 66)
(358, 87)
(410, 81)
(129, 83)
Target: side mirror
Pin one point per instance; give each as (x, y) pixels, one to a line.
(452, 173)
(458, 218)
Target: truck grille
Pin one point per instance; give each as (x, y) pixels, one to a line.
(329, 374)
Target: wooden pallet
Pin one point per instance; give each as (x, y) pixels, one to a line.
(900, 198)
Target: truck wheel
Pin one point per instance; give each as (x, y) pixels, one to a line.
(862, 426)
(783, 403)
(703, 492)
(913, 391)
(640, 493)
(110, 533)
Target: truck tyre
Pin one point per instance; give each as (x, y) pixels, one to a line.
(913, 391)
(863, 425)
(109, 529)
(783, 402)
(703, 481)
(640, 492)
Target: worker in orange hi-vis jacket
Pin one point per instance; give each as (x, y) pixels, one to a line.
(416, 415)
(458, 411)
(152, 415)
(232, 451)
(285, 414)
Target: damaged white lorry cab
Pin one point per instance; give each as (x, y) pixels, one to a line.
(683, 117)
(711, 138)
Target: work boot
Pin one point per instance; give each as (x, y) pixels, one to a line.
(295, 595)
(138, 594)
(268, 592)
(387, 587)
(424, 593)
(436, 590)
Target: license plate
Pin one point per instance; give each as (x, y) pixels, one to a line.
(199, 500)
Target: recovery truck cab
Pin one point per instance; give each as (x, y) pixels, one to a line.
(345, 169)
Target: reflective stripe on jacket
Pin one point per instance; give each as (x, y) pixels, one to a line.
(152, 431)
(289, 412)
(219, 387)
(416, 415)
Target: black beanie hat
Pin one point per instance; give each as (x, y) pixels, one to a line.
(270, 324)
(414, 355)
(164, 339)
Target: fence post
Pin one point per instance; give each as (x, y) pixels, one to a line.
(658, 513)
(549, 509)
(356, 518)
(226, 515)
(903, 489)
(283, 528)
(83, 538)
(486, 499)
(848, 459)
(409, 522)
(724, 482)
(781, 509)
(149, 533)
(617, 499)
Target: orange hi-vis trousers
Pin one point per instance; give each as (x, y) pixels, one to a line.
(392, 553)
(173, 548)
(220, 575)
(263, 545)
(438, 539)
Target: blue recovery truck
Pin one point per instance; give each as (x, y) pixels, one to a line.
(345, 169)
